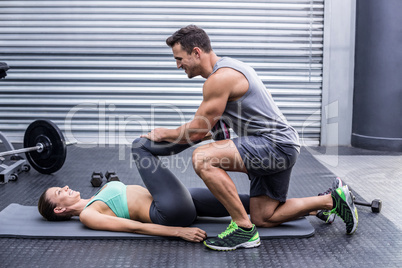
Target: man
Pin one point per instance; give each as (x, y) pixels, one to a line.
(266, 147)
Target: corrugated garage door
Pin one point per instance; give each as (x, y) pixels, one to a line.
(102, 72)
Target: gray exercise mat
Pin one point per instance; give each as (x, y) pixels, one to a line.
(26, 222)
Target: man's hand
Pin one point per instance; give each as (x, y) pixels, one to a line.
(156, 135)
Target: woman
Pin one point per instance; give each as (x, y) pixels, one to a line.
(164, 208)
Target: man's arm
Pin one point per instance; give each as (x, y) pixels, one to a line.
(98, 221)
(216, 92)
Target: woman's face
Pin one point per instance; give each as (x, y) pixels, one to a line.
(63, 197)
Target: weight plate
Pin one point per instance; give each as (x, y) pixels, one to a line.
(52, 157)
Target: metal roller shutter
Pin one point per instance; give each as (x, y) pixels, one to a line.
(102, 72)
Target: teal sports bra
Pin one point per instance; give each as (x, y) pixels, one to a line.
(114, 195)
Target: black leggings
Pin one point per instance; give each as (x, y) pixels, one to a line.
(173, 204)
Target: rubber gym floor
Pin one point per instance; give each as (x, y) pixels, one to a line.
(376, 243)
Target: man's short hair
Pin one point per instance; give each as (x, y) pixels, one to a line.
(190, 37)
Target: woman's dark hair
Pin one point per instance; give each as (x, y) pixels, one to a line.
(46, 209)
(190, 37)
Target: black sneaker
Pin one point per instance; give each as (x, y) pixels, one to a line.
(345, 208)
(233, 238)
(326, 215)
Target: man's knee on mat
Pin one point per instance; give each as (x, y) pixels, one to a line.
(262, 208)
(261, 219)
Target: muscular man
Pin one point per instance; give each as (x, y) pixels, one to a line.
(266, 147)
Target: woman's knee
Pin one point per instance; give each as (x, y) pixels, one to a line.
(138, 143)
(136, 148)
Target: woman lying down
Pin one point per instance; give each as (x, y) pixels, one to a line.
(166, 210)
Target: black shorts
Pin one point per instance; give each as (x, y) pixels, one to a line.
(269, 165)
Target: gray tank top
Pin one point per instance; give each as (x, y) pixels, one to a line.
(256, 113)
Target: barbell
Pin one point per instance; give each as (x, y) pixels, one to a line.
(44, 146)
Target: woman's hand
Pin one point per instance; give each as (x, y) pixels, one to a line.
(192, 234)
(93, 219)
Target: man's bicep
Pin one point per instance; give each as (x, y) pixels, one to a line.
(215, 96)
(210, 110)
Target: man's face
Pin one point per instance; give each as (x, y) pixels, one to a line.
(188, 62)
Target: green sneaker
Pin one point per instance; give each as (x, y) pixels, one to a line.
(345, 208)
(326, 215)
(233, 238)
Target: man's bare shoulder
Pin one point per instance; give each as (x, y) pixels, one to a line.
(224, 76)
(233, 82)
(225, 73)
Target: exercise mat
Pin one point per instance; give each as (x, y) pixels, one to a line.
(25, 222)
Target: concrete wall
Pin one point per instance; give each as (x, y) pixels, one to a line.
(338, 72)
(377, 107)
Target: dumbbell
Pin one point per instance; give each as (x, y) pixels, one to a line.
(375, 205)
(96, 179)
(111, 176)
